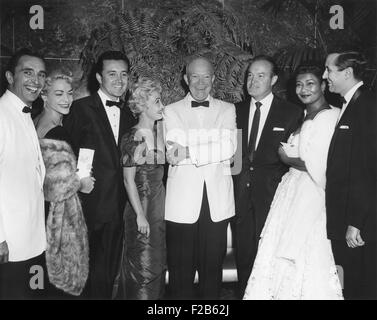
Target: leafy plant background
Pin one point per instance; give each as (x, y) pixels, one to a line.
(159, 36)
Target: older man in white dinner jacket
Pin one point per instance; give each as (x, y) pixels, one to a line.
(201, 140)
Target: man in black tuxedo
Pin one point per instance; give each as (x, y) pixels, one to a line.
(97, 122)
(265, 121)
(351, 177)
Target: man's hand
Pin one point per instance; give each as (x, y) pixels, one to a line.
(296, 163)
(4, 252)
(87, 184)
(353, 237)
(176, 153)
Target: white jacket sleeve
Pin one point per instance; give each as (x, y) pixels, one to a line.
(215, 145)
(2, 231)
(174, 132)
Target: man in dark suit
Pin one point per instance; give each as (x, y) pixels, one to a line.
(351, 177)
(265, 121)
(97, 122)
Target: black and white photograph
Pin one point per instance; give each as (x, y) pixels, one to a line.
(188, 153)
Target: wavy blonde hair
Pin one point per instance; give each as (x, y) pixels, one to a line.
(140, 92)
(57, 74)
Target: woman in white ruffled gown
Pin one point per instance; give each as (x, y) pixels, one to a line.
(294, 259)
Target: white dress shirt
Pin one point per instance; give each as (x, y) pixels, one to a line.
(201, 111)
(264, 110)
(22, 216)
(348, 96)
(113, 114)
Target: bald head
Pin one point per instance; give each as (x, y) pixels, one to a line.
(200, 63)
(199, 77)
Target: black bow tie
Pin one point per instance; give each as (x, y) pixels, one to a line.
(26, 110)
(195, 104)
(111, 103)
(344, 101)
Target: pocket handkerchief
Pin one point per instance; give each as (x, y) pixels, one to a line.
(344, 127)
(277, 129)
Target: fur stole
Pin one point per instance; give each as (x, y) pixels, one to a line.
(67, 253)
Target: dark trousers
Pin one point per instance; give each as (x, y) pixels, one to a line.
(201, 247)
(24, 280)
(105, 247)
(359, 269)
(246, 243)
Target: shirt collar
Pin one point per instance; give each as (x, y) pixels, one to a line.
(266, 101)
(190, 98)
(348, 96)
(17, 102)
(104, 97)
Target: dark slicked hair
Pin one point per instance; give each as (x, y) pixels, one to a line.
(354, 60)
(269, 59)
(11, 66)
(110, 55)
(312, 68)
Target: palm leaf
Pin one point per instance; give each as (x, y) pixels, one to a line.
(159, 44)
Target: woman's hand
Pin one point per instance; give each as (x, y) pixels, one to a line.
(133, 197)
(142, 224)
(296, 163)
(87, 184)
(283, 156)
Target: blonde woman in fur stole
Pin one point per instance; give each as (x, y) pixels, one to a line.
(67, 252)
(142, 269)
(57, 95)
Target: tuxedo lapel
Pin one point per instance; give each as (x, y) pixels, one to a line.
(106, 127)
(125, 122)
(243, 122)
(345, 117)
(350, 105)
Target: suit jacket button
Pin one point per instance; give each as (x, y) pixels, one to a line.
(248, 184)
(251, 168)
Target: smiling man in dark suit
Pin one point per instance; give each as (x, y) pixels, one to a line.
(351, 177)
(265, 121)
(98, 122)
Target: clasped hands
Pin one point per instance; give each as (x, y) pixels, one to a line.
(175, 153)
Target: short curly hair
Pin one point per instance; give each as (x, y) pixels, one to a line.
(56, 75)
(140, 92)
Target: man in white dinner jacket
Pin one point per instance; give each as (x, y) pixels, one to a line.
(22, 217)
(201, 140)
